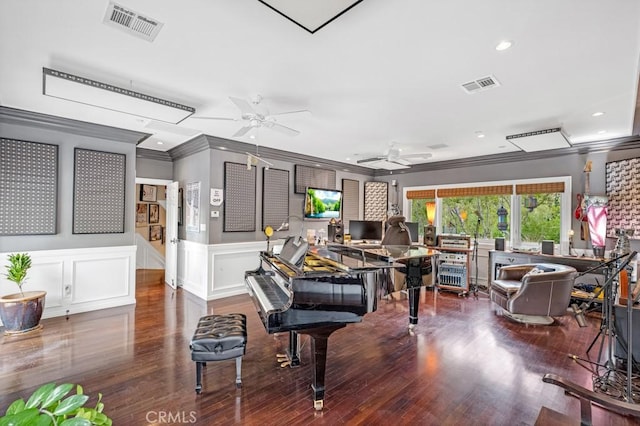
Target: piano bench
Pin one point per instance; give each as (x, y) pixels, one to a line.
(219, 337)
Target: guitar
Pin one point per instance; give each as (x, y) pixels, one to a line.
(580, 212)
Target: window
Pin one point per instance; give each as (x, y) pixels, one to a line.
(534, 209)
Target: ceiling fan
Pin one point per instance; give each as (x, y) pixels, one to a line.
(392, 155)
(255, 115)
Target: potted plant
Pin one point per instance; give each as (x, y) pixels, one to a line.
(21, 312)
(46, 406)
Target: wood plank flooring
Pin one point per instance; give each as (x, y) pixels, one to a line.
(464, 365)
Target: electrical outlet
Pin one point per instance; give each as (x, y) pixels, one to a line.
(215, 213)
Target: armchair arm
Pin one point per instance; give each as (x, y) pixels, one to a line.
(587, 396)
(513, 272)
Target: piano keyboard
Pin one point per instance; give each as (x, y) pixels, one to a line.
(269, 294)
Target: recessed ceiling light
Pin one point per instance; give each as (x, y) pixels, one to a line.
(597, 114)
(224, 148)
(504, 45)
(252, 136)
(160, 143)
(600, 132)
(479, 134)
(317, 165)
(348, 158)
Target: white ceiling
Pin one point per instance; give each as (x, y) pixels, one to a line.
(383, 72)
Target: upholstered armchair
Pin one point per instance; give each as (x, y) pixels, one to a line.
(533, 293)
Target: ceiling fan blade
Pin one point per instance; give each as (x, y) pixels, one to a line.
(400, 161)
(282, 129)
(423, 155)
(214, 118)
(244, 106)
(369, 160)
(243, 131)
(299, 111)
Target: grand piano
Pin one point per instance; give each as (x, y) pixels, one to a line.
(320, 289)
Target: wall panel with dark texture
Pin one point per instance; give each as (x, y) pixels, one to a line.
(315, 177)
(239, 198)
(275, 197)
(98, 192)
(350, 200)
(28, 187)
(623, 190)
(375, 200)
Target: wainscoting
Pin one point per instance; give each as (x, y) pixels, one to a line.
(81, 280)
(217, 270)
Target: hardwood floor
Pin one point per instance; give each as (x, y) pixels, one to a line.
(463, 365)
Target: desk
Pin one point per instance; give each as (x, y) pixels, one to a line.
(499, 258)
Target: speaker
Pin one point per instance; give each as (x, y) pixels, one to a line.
(335, 233)
(499, 244)
(430, 235)
(547, 247)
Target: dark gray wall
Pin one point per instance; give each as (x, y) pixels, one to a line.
(190, 169)
(154, 169)
(64, 238)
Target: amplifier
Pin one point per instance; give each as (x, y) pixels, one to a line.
(453, 257)
(452, 275)
(454, 241)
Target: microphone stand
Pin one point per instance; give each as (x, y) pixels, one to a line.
(603, 383)
(475, 257)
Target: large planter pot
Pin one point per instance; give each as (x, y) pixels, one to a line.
(21, 313)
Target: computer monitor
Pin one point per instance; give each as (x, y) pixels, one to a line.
(365, 229)
(413, 228)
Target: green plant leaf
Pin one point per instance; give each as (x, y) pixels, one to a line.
(39, 395)
(42, 420)
(76, 421)
(26, 417)
(101, 419)
(56, 395)
(15, 407)
(68, 405)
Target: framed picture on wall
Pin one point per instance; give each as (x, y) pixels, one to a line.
(155, 233)
(142, 213)
(154, 213)
(148, 193)
(192, 214)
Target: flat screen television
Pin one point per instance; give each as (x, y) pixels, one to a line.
(322, 203)
(413, 229)
(365, 229)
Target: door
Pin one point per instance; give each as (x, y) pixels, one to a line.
(171, 250)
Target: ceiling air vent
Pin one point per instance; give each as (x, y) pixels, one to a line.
(132, 22)
(480, 84)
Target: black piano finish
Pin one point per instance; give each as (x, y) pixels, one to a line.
(332, 287)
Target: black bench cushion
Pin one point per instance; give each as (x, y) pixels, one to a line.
(219, 337)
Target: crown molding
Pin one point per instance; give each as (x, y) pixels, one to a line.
(60, 124)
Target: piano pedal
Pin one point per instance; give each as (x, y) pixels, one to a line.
(319, 404)
(284, 364)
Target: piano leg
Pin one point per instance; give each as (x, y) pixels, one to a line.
(293, 353)
(319, 339)
(414, 282)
